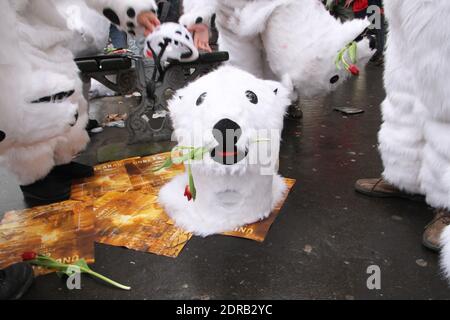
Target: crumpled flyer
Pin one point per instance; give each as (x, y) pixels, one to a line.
(136, 221)
(117, 206)
(111, 176)
(64, 231)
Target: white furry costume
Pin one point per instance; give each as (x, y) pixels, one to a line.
(90, 29)
(43, 127)
(274, 38)
(245, 190)
(415, 135)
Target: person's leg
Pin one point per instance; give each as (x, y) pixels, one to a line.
(381, 38)
(245, 52)
(401, 136)
(415, 137)
(379, 28)
(118, 38)
(433, 92)
(435, 172)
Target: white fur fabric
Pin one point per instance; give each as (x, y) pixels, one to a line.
(275, 38)
(414, 141)
(415, 135)
(195, 9)
(228, 196)
(90, 29)
(37, 61)
(445, 252)
(122, 9)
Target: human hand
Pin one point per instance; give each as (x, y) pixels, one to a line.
(149, 20)
(200, 33)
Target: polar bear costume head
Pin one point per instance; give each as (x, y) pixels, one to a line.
(239, 119)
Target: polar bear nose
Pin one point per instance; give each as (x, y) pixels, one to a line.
(227, 133)
(227, 127)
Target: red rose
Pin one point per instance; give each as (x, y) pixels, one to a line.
(354, 70)
(28, 256)
(187, 193)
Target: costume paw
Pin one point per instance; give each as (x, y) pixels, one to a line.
(202, 16)
(124, 13)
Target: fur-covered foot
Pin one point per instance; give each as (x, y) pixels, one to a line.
(48, 190)
(73, 171)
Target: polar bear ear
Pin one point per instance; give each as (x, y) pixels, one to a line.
(281, 94)
(278, 89)
(175, 101)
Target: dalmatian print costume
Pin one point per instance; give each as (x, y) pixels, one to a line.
(43, 111)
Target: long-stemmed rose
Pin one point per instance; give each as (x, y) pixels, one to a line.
(352, 50)
(67, 269)
(192, 154)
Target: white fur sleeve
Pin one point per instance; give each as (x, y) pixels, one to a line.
(123, 13)
(197, 11)
(252, 19)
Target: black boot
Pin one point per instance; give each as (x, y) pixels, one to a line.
(48, 190)
(72, 171)
(295, 111)
(92, 124)
(15, 281)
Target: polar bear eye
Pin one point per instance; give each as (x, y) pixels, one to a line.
(201, 99)
(252, 97)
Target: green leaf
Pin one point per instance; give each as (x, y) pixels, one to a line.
(50, 265)
(353, 52)
(199, 153)
(339, 58)
(82, 264)
(261, 140)
(183, 158)
(191, 183)
(61, 268)
(166, 165)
